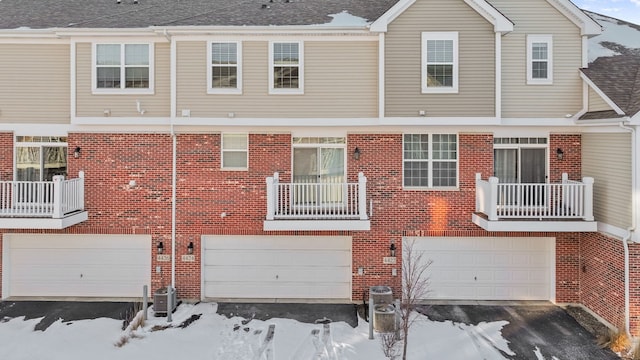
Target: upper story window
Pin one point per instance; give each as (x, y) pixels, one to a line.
(40, 158)
(286, 65)
(123, 68)
(539, 59)
(430, 160)
(235, 151)
(439, 62)
(225, 68)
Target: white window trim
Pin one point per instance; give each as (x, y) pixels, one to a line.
(223, 150)
(453, 35)
(122, 90)
(300, 89)
(430, 162)
(539, 39)
(38, 144)
(210, 88)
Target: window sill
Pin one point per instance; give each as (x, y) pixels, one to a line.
(439, 90)
(419, 188)
(224, 91)
(122, 92)
(286, 91)
(234, 169)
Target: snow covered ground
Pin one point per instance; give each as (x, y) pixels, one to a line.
(215, 337)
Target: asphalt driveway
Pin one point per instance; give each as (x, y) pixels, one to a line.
(545, 327)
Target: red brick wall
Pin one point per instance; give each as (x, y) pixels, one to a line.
(6, 173)
(602, 278)
(204, 191)
(571, 163)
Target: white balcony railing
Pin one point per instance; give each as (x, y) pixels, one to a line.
(316, 201)
(42, 199)
(566, 200)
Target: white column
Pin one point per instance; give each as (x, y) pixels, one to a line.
(362, 196)
(588, 198)
(492, 210)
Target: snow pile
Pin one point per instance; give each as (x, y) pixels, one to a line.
(344, 19)
(617, 37)
(197, 332)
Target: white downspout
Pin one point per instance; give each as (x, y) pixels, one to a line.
(629, 236)
(173, 157)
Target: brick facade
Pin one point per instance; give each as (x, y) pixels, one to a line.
(588, 266)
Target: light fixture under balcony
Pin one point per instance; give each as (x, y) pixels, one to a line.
(160, 247)
(76, 152)
(190, 248)
(356, 153)
(560, 154)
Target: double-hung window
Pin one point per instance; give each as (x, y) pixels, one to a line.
(430, 160)
(235, 151)
(439, 62)
(286, 63)
(539, 59)
(225, 68)
(126, 68)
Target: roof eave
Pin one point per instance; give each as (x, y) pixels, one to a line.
(588, 26)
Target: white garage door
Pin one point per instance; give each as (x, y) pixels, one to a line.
(277, 267)
(85, 265)
(489, 268)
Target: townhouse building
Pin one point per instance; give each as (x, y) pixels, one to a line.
(287, 150)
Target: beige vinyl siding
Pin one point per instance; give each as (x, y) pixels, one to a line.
(564, 96)
(476, 48)
(607, 158)
(596, 103)
(35, 84)
(340, 80)
(123, 105)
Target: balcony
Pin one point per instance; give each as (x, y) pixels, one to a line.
(316, 205)
(562, 207)
(53, 204)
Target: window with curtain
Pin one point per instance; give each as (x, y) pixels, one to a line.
(430, 160)
(439, 62)
(225, 67)
(235, 151)
(40, 158)
(123, 67)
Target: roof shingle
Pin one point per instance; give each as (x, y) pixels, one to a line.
(619, 78)
(42, 14)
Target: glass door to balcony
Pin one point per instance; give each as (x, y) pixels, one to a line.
(521, 166)
(36, 165)
(318, 176)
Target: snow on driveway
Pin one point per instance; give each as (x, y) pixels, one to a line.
(213, 336)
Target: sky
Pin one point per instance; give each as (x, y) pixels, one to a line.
(628, 10)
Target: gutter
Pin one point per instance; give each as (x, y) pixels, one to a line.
(630, 230)
(174, 141)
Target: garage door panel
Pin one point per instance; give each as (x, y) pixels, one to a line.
(289, 290)
(78, 265)
(232, 242)
(58, 289)
(278, 257)
(489, 268)
(277, 267)
(294, 273)
(76, 256)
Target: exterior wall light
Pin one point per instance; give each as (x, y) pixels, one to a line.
(160, 247)
(392, 249)
(560, 154)
(356, 153)
(76, 152)
(190, 248)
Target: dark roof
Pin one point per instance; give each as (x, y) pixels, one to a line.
(619, 78)
(599, 115)
(40, 14)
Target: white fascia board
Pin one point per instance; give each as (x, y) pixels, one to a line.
(587, 25)
(499, 21)
(259, 30)
(604, 97)
(635, 119)
(108, 120)
(43, 223)
(534, 226)
(536, 122)
(317, 225)
(439, 121)
(380, 25)
(611, 230)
